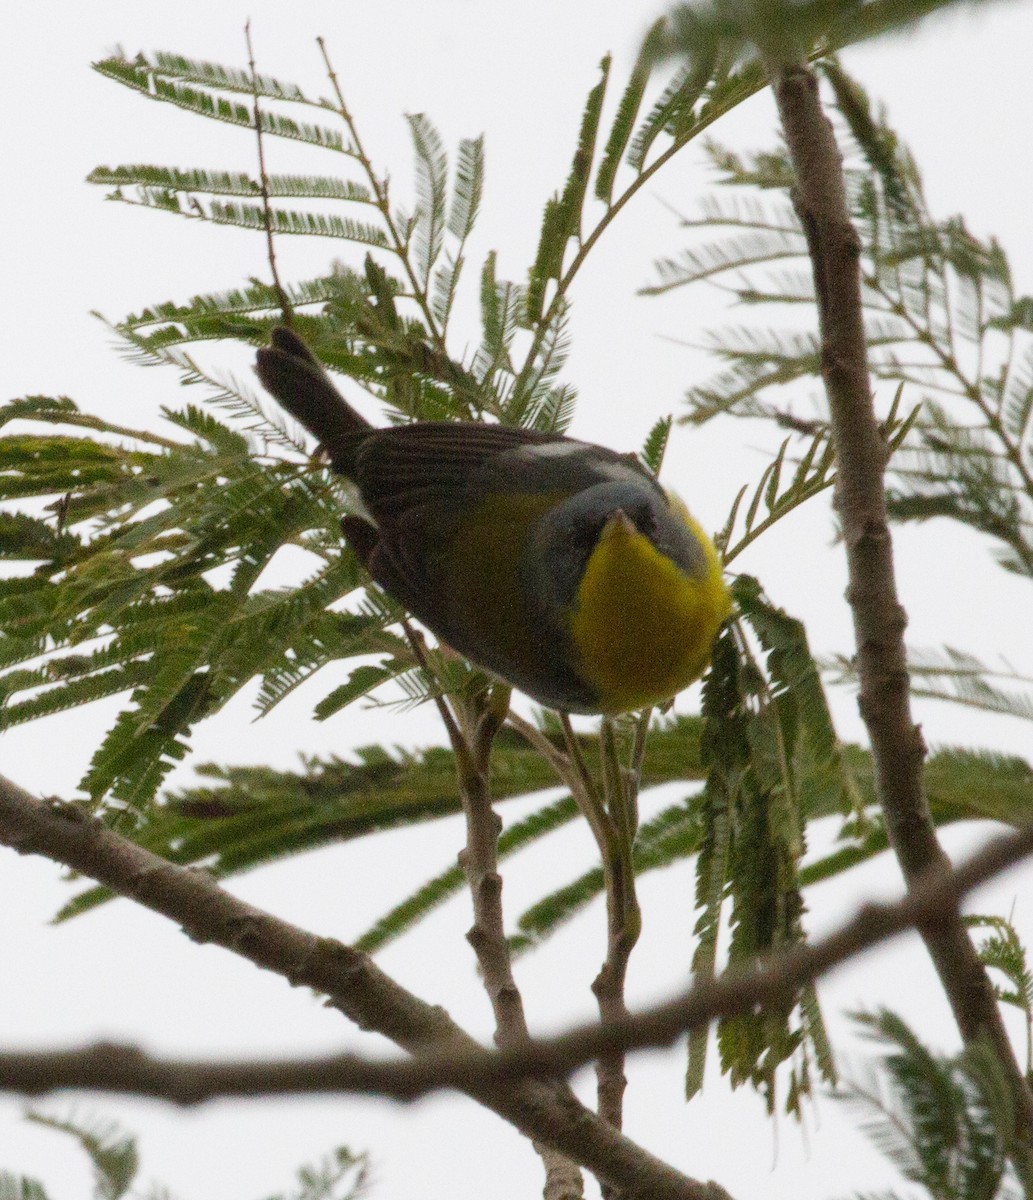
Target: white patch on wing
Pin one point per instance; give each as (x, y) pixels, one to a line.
(619, 472)
(552, 450)
(604, 467)
(357, 507)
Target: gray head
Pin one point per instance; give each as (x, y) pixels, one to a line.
(563, 540)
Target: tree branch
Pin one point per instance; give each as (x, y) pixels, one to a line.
(479, 860)
(623, 922)
(879, 619)
(352, 981)
(467, 1066)
(286, 310)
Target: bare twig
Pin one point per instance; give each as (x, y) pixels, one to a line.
(583, 788)
(399, 245)
(463, 1064)
(539, 741)
(354, 984)
(479, 861)
(879, 620)
(416, 644)
(471, 741)
(613, 825)
(623, 925)
(286, 311)
(487, 935)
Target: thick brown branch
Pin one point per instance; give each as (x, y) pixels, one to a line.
(127, 1069)
(879, 620)
(355, 985)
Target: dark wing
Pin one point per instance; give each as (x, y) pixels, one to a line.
(409, 465)
(417, 482)
(459, 462)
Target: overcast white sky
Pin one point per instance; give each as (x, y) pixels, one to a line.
(957, 91)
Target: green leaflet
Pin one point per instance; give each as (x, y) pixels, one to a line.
(500, 311)
(535, 401)
(462, 215)
(112, 1154)
(958, 677)
(562, 219)
(467, 189)
(340, 1175)
(21, 1187)
(435, 891)
(229, 79)
(138, 584)
(431, 193)
(655, 447)
(255, 216)
(673, 112)
(248, 816)
(627, 112)
(947, 1122)
(114, 1157)
(936, 299)
(205, 101)
(226, 183)
(1002, 950)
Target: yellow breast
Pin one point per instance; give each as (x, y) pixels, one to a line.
(641, 626)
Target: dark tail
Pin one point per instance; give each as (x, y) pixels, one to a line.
(293, 374)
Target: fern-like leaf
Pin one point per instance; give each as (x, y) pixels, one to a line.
(112, 1153)
(431, 189)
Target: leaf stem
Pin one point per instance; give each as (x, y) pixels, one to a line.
(399, 244)
(285, 305)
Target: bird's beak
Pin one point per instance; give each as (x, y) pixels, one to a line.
(618, 524)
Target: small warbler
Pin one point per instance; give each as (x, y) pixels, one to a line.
(559, 566)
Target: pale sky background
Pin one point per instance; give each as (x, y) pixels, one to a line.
(957, 92)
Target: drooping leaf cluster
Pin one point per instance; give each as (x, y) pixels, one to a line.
(772, 758)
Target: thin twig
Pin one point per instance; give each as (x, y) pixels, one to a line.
(540, 741)
(623, 926)
(479, 860)
(353, 983)
(586, 794)
(879, 620)
(383, 203)
(460, 747)
(480, 863)
(286, 310)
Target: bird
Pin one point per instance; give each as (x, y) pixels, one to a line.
(561, 567)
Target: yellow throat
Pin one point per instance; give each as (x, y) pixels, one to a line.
(641, 626)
